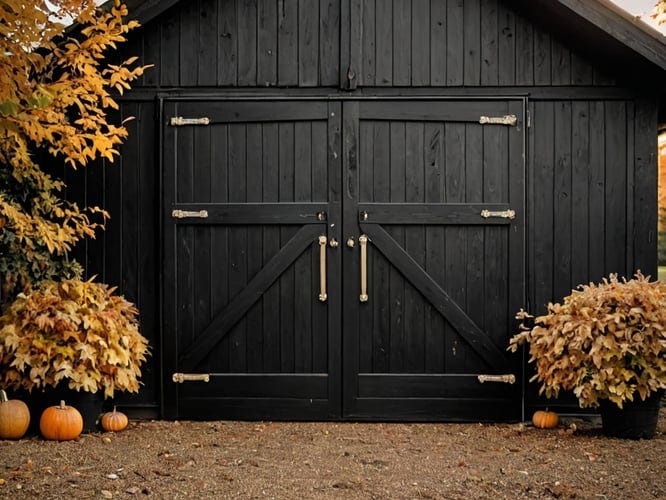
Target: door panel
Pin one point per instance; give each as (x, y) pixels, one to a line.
(247, 197)
(443, 281)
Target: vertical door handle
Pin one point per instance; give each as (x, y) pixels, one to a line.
(322, 268)
(363, 242)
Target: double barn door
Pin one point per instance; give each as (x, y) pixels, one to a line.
(328, 259)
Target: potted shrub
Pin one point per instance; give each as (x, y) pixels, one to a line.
(71, 334)
(607, 344)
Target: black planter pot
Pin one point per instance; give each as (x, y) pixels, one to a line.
(89, 405)
(636, 420)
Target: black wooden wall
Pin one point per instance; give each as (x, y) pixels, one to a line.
(591, 152)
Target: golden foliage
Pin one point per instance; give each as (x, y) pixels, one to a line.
(55, 90)
(72, 330)
(606, 341)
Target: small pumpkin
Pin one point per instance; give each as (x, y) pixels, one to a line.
(545, 419)
(114, 421)
(61, 423)
(14, 417)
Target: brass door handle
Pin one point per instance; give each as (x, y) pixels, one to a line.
(322, 268)
(363, 242)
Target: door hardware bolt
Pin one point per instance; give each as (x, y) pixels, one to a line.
(350, 242)
(334, 243)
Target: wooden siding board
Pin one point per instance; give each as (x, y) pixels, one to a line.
(254, 193)
(308, 43)
(189, 44)
(629, 230)
(645, 187)
(581, 70)
(455, 36)
(472, 43)
(597, 192)
(489, 43)
(152, 49)
(524, 54)
(271, 246)
(207, 43)
(402, 24)
(170, 45)
(616, 215)
(368, 44)
(580, 166)
(543, 121)
(384, 45)
(287, 42)
(227, 67)
(247, 42)
(561, 57)
(420, 43)
(329, 42)
(267, 43)
(507, 46)
(542, 58)
(438, 38)
(562, 209)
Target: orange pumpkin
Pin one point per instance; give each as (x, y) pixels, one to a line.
(114, 421)
(14, 417)
(61, 423)
(545, 419)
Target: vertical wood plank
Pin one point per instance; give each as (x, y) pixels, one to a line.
(561, 64)
(543, 122)
(381, 271)
(472, 43)
(616, 175)
(415, 247)
(365, 194)
(170, 29)
(287, 292)
(455, 36)
(271, 246)
(645, 187)
(329, 42)
(267, 43)
(434, 193)
(396, 280)
(152, 48)
(454, 236)
(368, 55)
(255, 251)
(219, 192)
(238, 243)
(507, 46)
(597, 191)
(189, 44)
(580, 165)
(287, 42)
(562, 216)
(304, 291)
(542, 58)
(420, 43)
(247, 42)
(489, 43)
(384, 48)
(308, 42)
(227, 68)
(438, 43)
(630, 113)
(207, 43)
(202, 258)
(130, 209)
(524, 52)
(402, 24)
(581, 70)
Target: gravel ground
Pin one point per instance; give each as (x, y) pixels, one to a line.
(225, 459)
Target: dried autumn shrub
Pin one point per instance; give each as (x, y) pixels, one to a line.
(75, 331)
(606, 341)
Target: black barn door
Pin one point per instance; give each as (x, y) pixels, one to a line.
(434, 205)
(251, 203)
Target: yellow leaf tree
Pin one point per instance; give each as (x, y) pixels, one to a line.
(56, 88)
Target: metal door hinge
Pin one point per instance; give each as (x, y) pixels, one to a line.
(505, 379)
(511, 120)
(179, 378)
(182, 214)
(179, 121)
(503, 214)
